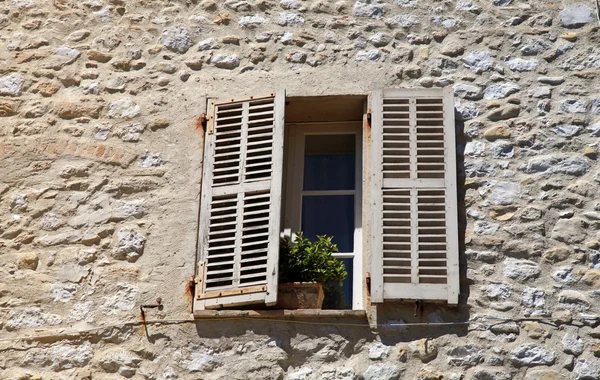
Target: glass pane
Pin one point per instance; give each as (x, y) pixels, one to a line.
(329, 162)
(337, 297)
(331, 215)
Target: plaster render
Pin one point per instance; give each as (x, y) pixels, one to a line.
(100, 172)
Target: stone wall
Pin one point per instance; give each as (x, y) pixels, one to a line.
(100, 166)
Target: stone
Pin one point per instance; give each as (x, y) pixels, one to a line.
(378, 351)
(18, 203)
(119, 361)
(534, 47)
(51, 222)
(485, 228)
(252, 22)
(78, 35)
(569, 106)
(500, 91)
(30, 317)
(497, 132)
(467, 91)
(554, 81)
(475, 149)
(223, 61)
(479, 169)
(382, 371)
(504, 113)
(592, 278)
(86, 256)
(130, 133)
(380, 39)
(63, 56)
(177, 39)
(123, 109)
(368, 8)
(567, 130)
(521, 270)
(529, 355)
(465, 356)
(296, 56)
(567, 275)
(595, 106)
(11, 85)
(505, 328)
(28, 260)
(572, 344)
(208, 44)
(465, 111)
(151, 160)
(533, 297)
(290, 19)
(371, 55)
(521, 65)
(576, 16)
(569, 231)
(502, 149)
(573, 300)
(63, 292)
(301, 374)
(402, 21)
(424, 349)
(478, 61)
(542, 92)
(486, 374)
(99, 56)
(531, 213)
(116, 85)
(571, 165)
(498, 291)
(452, 48)
(585, 370)
(8, 108)
(505, 193)
(130, 245)
(61, 356)
(165, 67)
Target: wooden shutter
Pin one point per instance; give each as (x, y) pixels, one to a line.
(414, 220)
(241, 202)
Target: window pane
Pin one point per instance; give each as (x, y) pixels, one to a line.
(329, 162)
(331, 215)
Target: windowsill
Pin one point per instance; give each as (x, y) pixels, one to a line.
(279, 314)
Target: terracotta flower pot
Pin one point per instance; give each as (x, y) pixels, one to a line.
(300, 295)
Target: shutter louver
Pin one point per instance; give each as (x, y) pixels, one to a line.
(415, 220)
(241, 203)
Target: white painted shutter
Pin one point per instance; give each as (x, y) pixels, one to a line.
(414, 215)
(241, 202)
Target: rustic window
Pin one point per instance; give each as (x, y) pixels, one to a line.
(412, 204)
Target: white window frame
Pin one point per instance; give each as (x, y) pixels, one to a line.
(295, 180)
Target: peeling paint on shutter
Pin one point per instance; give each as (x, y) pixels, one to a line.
(241, 203)
(414, 215)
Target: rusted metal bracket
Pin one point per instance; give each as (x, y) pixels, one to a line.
(418, 307)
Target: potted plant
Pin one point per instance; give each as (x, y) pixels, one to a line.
(305, 269)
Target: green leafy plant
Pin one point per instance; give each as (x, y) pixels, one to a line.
(306, 261)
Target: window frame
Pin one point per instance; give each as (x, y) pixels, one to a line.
(293, 184)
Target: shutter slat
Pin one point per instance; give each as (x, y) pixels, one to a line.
(241, 203)
(414, 225)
